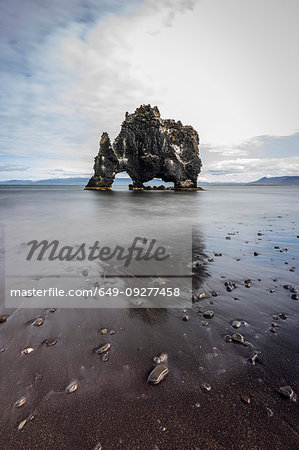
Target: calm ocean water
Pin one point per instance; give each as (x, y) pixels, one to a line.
(230, 221)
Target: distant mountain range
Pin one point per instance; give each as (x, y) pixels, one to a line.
(278, 181)
(80, 181)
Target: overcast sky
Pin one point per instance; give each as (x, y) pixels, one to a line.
(70, 69)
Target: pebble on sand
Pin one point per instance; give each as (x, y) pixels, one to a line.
(236, 324)
(201, 295)
(245, 399)
(161, 358)
(286, 391)
(50, 342)
(72, 387)
(22, 424)
(185, 318)
(27, 350)
(103, 331)
(208, 314)
(103, 349)
(105, 357)
(205, 387)
(237, 337)
(38, 322)
(158, 374)
(3, 319)
(20, 402)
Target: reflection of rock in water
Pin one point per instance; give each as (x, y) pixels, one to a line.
(152, 316)
(199, 259)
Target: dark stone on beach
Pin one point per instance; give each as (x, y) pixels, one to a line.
(3, 319)
(98, 446)
(236, 324)
(247, 285)
(245, 399)
(85, 273)
(204, 323)
(201, 295)
(149, 147)
(271, 291)
(256, 253)
(272, 330)
(286, 391)
(294, 297)
(217, 254)
(185, 318)
(208, 314)
(214, 294)
(293, 289)
(112, 332)
(228, 238)
(205, 387)
(103, 349)
(50, 342)
(228, 338)
(237, 337)
(158, 374)
(52, 310)
(72, 387)
(38, 322)
(260, 234)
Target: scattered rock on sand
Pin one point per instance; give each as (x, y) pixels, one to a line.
(72, 387)
(161, 358)
(205, 387)
(27, 350)
(245, 399)
(185, 318)
(294, 297)
(158, 374)
(22, 424)
(103, 331)
(286, 391)
(208, 314)
(201, 295)
(105, 357)
(50, 342)
(228, 338)
(103, 349)
(236, 324)
(3, 319)
(20, 402)
(237, 337)
(38, 322)
(214, 293)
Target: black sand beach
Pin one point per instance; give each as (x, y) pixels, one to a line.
(114, 406)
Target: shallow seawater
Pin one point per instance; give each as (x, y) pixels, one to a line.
(113, 403)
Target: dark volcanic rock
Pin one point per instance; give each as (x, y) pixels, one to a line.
(149, 147)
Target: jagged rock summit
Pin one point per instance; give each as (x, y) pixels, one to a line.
(149, 147)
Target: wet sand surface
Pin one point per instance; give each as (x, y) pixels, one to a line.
(113, 404)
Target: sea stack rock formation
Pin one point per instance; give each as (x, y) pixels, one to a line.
(149, 147)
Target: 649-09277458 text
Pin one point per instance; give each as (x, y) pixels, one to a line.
(97, 291)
